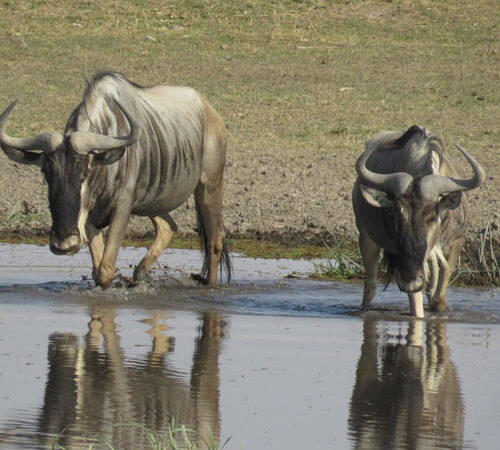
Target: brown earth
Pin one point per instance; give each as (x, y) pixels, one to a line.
(300, 84)
(289, 197)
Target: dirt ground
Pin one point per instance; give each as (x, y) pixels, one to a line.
(289, 197)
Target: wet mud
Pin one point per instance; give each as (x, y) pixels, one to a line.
(249, 361)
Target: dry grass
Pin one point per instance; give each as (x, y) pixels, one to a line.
(314, 75)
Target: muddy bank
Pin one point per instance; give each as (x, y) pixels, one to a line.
(289, 197)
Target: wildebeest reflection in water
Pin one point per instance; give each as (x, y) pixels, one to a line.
(406, 395)
(91, 387)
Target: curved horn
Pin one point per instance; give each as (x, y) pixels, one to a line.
(47, 141)
(393, 183)
(85, 142)
(434, 185)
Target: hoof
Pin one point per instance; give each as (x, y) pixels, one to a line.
(104, 284)
(103, 277)
(440, 307)
(140, 275)
(197, 277)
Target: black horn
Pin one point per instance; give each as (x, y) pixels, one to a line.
(435, 185)
(46, 142)
(394, 183)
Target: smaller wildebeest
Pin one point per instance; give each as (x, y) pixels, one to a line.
(408, 200)
(128, 149)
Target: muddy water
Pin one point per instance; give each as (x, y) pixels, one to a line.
(268, 361)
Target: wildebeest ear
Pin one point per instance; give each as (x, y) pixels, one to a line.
(376, 197)
(452, 200)
(108, 156)
(31, 157)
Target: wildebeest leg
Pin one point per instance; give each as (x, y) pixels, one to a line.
(369, 253)
(416, 304)
(164, 227)
(96, 247)
(209, 205)
(446, 266)
(208, 198)
(117, 228)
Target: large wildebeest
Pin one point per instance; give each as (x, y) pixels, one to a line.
(408, 201)
(128, 149)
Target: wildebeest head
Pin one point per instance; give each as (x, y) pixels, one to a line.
(416, 204)
(66, 162)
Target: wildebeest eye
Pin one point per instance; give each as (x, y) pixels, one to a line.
(452, 200)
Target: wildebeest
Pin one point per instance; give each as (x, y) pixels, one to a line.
(408, 201)
(128, 149)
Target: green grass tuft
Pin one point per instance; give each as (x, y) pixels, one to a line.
(478, 266)
(342, 264)
(176, 437)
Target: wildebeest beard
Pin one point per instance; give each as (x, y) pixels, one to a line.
(390, 261)
(412, 245)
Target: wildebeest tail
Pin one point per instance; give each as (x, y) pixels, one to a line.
(225, 264)
(389, 267)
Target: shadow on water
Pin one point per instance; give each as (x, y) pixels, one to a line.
(407, 391)
(92, 390)
(89, 361)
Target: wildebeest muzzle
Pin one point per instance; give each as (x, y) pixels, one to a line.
(67, 245)
(416, 284)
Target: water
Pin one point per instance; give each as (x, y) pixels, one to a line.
(268, 361)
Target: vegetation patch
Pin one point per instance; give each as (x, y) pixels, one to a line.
(343, 263)
(253, 248)
(175, 437)
(477, 266)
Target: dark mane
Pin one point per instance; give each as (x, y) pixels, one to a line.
(432, 144)
(92, 85)
(400, 142)
(101, 75)
(435, 144)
